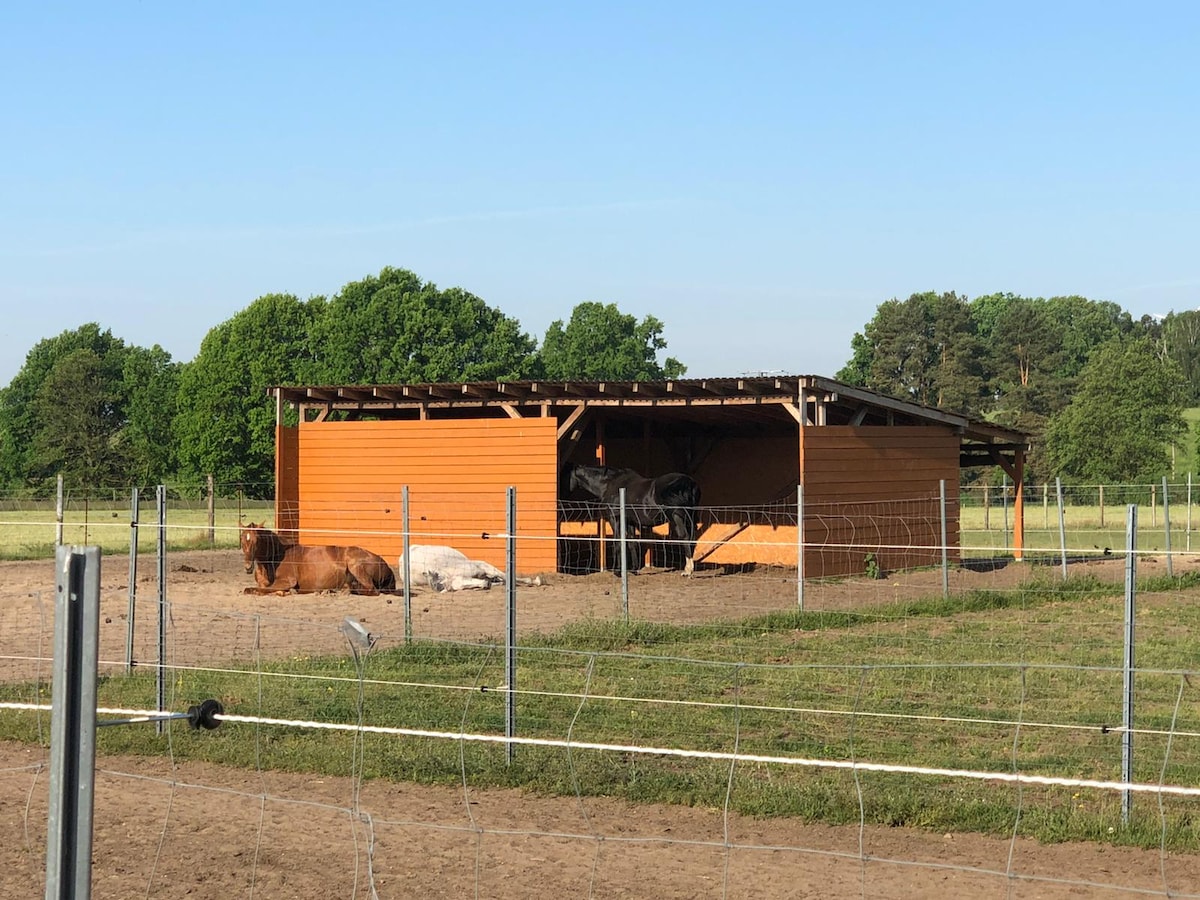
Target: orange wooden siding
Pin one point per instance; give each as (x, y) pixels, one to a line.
(866, 490)
(876, 490)
(350, 477)
(287, 483)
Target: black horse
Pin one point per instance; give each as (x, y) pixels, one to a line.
(671, 498)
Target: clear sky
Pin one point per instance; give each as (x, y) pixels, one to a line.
(758, 176)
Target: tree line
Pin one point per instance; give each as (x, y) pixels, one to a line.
(1101, 394)
(105, 414)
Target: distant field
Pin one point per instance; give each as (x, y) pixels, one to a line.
(30, 533)
(1087, 528)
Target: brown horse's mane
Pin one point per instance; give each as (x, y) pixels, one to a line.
(269, 548)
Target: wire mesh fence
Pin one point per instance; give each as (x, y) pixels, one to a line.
(891, 698)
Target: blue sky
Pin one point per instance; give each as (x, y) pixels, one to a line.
(758, 176)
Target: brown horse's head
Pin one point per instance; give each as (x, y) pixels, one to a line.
(251, 539)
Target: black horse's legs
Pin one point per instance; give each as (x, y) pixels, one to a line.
(683, 528)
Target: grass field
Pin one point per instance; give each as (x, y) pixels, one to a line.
(1027, 680)
(29, 533)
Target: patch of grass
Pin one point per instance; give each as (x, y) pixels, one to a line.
(894, 684)
(29, 533)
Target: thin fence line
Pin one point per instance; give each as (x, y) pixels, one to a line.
(683, 660)
(808, 762)
(692, 704)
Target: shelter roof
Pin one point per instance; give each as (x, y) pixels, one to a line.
(760, 401)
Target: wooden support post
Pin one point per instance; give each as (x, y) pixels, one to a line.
(1019, 506)
(602, 556)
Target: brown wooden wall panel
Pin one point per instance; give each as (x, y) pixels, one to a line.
(869, 490)
(890, 496)
(287, 480)
(351, 476)
(866, 491)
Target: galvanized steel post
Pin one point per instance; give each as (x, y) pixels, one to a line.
(510, 644)
(624, 559)
(133, 557)
(1127, 691)
(73, 724)
(162, 601)
(406, 566)
(945, 542)
(1167, 528)
(1062, 526)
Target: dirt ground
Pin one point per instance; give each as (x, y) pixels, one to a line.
(165, 830)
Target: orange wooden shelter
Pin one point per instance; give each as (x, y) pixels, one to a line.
(870, 465)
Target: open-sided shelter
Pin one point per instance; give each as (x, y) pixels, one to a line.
(872, 468)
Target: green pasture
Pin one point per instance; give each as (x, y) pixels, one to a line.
(1022, 680)
(1088, 529)
(29, 532)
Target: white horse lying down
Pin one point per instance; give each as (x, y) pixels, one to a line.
(445, 569)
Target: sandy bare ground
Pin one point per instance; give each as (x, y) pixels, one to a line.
(167, 830)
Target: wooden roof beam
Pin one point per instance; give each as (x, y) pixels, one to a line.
(614, 388)
(443, 391)
(569, 422)
(687, 389)
(548, 391)
(417, 392)
(508, 389)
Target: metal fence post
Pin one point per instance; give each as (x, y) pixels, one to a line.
(800, 547)
(73, 724)
(1127, 687)
(1062, 526)
(406, 567)
(510, 645)
(1167, 528)
(945, 542)
(161, 498)
(1189, 513)
(133, 559)
(624, 558)
(212, 511)
(58, 515)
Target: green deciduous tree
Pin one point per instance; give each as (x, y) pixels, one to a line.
(79, 413)
(150, 380)
(1082, 325)
(85, 404)
(923, 349)
(226, 422)
(395, 328)
(385, 329)
(19, 422)
(1178, 337)
(601, 342)
(1125, 412)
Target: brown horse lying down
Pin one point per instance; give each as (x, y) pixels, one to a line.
(280, 567)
